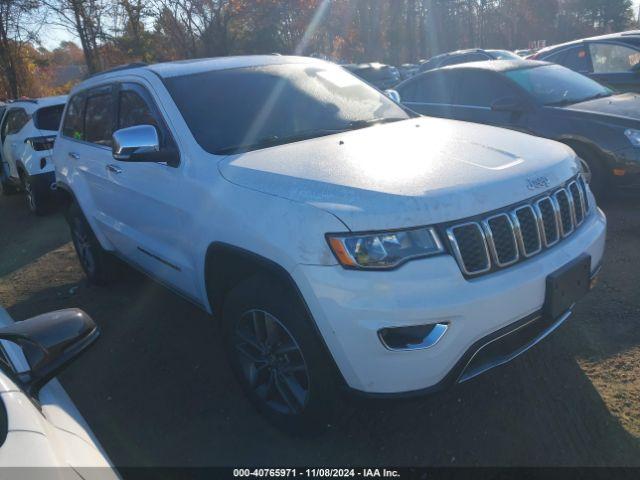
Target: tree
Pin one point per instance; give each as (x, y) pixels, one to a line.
(16, 33)
(85, 19)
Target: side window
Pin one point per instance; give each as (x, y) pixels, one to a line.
(5, 126)
(480, 89)
(14, 121)
(429, 88)
(577, 59)
(135, 107)
(98, 118)
(613, 58)
(134, 110)
(556, 57)
(19, 118)
(72, 126)
(466, 58)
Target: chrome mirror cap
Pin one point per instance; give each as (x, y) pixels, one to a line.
(138, 140)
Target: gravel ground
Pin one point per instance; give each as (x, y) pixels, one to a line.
(157, 389)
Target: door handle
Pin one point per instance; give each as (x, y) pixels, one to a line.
(114, 168)
(74, 155)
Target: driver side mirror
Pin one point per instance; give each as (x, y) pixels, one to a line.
(393, 95)
(508, 104)
(49, 343)
(141, 143)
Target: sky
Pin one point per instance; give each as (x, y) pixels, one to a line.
(51, 35)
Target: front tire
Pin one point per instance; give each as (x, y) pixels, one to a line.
(277, 356)
(99, 266)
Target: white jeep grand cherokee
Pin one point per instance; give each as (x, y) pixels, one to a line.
(341, 240)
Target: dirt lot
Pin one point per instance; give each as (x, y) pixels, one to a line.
(157, 390)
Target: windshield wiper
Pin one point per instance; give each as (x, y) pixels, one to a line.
(273, 140)
(572, 101)
(372, 121)
(596, 96)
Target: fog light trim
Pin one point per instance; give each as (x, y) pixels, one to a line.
(418, 337)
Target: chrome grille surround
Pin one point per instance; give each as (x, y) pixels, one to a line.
(547, 237)
(520, 235)
(535, 225)
(459, 254)
(565, 208)
(491, 243)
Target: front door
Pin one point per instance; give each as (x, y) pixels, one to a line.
(146, 201)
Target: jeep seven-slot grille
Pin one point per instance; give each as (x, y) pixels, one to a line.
(504, 238)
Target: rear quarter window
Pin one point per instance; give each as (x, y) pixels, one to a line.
(48, 118)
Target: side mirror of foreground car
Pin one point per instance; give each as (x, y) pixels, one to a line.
(508, 104)
(393, 95)
(49, 342)
(141, 143)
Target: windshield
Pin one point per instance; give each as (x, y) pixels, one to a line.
(556, 85)
(249, 108)
(504, 55)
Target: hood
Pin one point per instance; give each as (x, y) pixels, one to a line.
(414, 172)
(624, 107)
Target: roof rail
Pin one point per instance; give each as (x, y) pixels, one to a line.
(119, 68)
(30, 100)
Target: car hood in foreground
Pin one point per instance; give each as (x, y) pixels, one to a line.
(409, 173)
(625, 106)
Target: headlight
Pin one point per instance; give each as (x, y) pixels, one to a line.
(382, 250)
(633, 136)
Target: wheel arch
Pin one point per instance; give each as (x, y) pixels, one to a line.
(586, 144)
(232, 265)
(227, 265)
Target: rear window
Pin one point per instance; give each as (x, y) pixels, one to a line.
(48, 118)
(248, 108)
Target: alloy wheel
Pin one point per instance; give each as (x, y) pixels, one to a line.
(31, 201)
(83, 246)
(272, 362)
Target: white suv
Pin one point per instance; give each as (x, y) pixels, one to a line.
(28, 131)
(341, 239)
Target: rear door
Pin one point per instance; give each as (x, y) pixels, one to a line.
(85, 146)
(616, 65)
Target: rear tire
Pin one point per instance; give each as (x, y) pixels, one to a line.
(6, 187)
(34, 196)
(99, 266)
(277, 356)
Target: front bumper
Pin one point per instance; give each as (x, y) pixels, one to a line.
(351, 306)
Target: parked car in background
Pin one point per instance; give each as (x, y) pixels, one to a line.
(613, 60)
(542, 99)
(207, 193)
(466, 56)
(39, 424)
(28, 132)
(379, 75)
(525, 52)
(408, 70)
